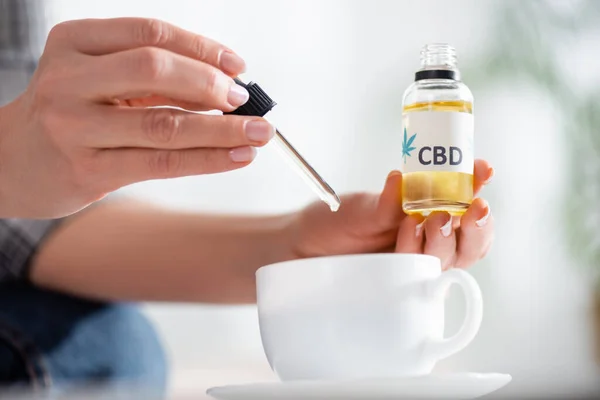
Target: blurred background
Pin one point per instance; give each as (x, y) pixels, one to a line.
(338, 69)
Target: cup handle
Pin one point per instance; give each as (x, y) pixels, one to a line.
(440, 349)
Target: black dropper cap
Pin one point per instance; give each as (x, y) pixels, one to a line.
(259, 103)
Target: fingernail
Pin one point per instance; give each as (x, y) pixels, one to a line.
(491, 173)
(237, 95)
(446, 230)
(259, 131)
(231, 63)
(483, 220)
(419, 228)
(242, 154)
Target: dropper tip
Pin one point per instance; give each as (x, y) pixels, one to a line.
(335, 204)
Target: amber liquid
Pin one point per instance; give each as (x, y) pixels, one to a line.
(426, 192)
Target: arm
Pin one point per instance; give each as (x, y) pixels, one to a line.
(129, 251)
(124, 250)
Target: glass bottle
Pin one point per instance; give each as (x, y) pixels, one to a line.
(437, 146)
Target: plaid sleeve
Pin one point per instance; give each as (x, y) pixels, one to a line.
(22, 37)
(19, 241)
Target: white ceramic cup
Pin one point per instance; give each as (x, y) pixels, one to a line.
(360, 316)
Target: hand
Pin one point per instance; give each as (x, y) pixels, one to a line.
(82, 128)
(369, 223)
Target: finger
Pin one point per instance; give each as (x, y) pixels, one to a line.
(161, 101)
(126, 166)
(105, 36)
(476, 234)
(144, 71)
(171, 129)
(455, 222)
(482, 174)
(389, 207)
(410, 235)
(440, 240)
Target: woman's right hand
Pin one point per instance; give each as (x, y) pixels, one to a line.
(83, 129)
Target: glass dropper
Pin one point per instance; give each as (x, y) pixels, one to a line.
(303, 168)
(259, 104)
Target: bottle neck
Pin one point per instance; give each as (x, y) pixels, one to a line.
(438, 61)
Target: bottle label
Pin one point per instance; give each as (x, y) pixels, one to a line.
(437, 141)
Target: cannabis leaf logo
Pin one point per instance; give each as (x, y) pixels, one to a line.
(406, 145)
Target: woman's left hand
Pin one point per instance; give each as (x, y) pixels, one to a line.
(372, 223)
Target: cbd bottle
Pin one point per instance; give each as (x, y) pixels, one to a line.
(437, 146)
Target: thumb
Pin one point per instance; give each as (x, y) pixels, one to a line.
(389, 207)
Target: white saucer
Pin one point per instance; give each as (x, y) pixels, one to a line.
(452, 386)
